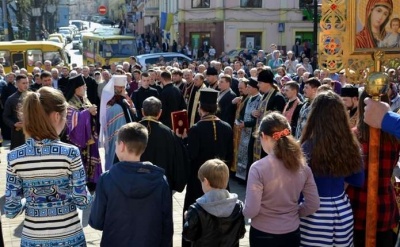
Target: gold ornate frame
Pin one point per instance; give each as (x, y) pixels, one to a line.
(337, 43)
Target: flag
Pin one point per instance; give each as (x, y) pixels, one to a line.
(163, 20)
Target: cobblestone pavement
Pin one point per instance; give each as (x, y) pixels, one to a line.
(12, 228)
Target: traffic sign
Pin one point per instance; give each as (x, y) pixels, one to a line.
(102, 10)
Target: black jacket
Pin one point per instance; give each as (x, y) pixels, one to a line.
(205, 229)
(172, 100)
(227, 110)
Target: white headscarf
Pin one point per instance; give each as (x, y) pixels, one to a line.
(106, 95)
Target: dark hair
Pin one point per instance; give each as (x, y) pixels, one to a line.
(145, 74)
(151, 106)
(45, 74)
(134, 136)
(393, 20)
(287, 148)
(39, 106)
(293, 85)
(210, 108)
(335, 149)
(363, 128)
(21, 76)
(177, 72)
(133, 58)
(313, 82)
(166, 75)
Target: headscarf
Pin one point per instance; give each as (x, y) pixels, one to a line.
(365, 39)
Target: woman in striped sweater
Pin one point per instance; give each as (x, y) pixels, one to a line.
(45, 177)
(333, 153)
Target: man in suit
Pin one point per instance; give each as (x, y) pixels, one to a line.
(225, 97)
(165, 46)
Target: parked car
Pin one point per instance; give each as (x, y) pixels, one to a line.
(154, 58)
(238, 52)
(58, 36)
(106, 21)
(75, 41)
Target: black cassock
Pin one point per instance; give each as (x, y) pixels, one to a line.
(206, 142)
(164, 149)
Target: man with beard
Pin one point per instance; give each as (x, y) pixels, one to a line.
(194, 99)
(177, 79)
(187, 88)
(272, 100)
(91, 86)
(208, 139)
(246, 123)
(212, 78)
(349, 95)
(115, 111)
(293, 106)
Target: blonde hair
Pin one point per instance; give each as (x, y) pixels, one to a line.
(216, 172)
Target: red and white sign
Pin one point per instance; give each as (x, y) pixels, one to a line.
(102, 10)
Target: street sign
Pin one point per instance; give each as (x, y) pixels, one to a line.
(102, 10)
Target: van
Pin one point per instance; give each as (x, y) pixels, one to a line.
(154, 58)
(59, 36)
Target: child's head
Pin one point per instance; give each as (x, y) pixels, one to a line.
(131, 140)
(395, 24)
(214, 172)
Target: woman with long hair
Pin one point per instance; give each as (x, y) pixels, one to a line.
(377, 15)
(274, 187)
(45, 177)
(388, 211)
(334, 155)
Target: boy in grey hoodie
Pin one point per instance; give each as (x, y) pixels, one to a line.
(216, 218)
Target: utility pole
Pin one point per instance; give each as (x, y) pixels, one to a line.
(5, 21)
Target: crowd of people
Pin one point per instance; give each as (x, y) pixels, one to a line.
(293, 135)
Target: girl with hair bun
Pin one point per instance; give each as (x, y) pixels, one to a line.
(45, 177)
(274, 186)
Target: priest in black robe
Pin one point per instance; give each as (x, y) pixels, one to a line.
(209, 138)
(164, 149)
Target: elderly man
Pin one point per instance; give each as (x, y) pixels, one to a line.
(163, 149)
(115, 111)
(54, 78)
(194, 98)
(47, 65)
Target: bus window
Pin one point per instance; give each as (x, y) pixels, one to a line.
(5, 58)
(34, 56)
(54, 57)
(17, 58)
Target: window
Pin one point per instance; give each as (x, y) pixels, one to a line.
(5, 58)
(250, 3)
(200, 3)
(54, 56)
(34, 56)
(250, 40)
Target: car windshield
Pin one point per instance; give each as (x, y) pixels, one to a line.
(118, 48)
(77, 37)
(64, 31)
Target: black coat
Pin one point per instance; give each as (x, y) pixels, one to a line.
(172, 100)
(165, 150)
(91, 89)
(201, 147)
(204, 229)
(139, 95)
(227, 110)
(10, 117)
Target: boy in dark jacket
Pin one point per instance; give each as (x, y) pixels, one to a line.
(133, 205)
(216, 218)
